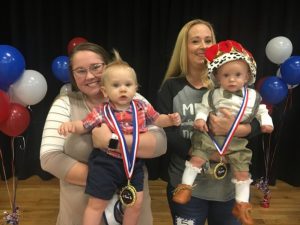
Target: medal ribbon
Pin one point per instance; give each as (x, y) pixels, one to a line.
(128, 157)
(234, 126)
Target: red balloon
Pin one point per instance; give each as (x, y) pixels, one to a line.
(257, 88)
(17, 122)
(4, 106)
(259, 83)
(268, 106)
(75, 41)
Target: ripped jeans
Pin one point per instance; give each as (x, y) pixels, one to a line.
(196, 211)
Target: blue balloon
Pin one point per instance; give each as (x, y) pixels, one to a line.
(12, 65)
(273, 90)
(60, 68)
(290, 70)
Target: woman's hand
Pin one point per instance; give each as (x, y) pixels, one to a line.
(101, 136)
(220, 125)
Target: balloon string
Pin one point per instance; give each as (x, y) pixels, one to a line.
(23, 146)
(290, 98)
(268, 156)
(287, 105)
(29, 108)
(12, 168)
(266, 151)
(5, 179)
(13, 174)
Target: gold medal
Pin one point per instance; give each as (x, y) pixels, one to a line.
(128, 195)
(220, 170)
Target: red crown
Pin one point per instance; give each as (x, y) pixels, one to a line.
(225, 47)
(226, 51)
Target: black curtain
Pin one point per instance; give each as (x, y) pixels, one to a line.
(144, 32)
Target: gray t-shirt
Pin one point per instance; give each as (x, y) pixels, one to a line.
(177, 95)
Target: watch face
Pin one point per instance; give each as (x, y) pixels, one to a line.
(113, 143)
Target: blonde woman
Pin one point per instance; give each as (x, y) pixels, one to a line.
(184, 84)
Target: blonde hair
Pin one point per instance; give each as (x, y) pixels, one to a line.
(178, 65)
(117, 63)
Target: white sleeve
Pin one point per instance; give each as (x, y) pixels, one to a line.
(263, 116)
(140, 97)
(58, 113)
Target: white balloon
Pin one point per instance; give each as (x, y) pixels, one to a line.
(279, 49)
(65, 89)
(278, 74)
(14, 98)
(29, 89)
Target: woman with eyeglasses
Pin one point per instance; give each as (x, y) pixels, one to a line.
(66, 157)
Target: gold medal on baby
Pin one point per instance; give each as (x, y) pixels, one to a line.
(220, 170)
(128, 195)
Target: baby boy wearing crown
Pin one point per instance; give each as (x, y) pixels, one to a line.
(231, 68)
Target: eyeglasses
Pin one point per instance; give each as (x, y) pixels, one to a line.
(94, 69)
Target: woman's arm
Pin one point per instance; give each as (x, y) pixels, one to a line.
(152, 143)
(77, 174)
(52, 156)
(64, 167)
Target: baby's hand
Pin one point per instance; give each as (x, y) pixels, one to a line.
(66, 128)
(266, 129)
(176, 119)
(201, 125)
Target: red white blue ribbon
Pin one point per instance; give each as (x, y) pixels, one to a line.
(127, 156)
(234, 126)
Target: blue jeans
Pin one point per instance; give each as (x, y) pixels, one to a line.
(196, 211)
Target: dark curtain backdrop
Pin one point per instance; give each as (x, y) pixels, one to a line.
(144, 32)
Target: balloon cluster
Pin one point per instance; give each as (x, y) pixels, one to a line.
(19, 88)
(274, 89)
(60, 65)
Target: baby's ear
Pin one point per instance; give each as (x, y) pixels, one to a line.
(249, 76)
(216, 80)
(102, 88)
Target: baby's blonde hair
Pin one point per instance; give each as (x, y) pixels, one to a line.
(117, 63)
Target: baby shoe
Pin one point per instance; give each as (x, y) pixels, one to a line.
(242, 211)
(182, 194)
